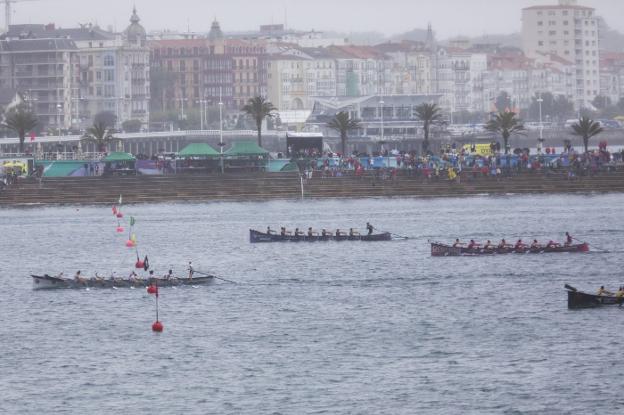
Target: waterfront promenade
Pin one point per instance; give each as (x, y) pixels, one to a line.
(265, 186)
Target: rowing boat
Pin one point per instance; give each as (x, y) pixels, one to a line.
(440, 249)
(257, 236)
(579, 299)
(42, 282)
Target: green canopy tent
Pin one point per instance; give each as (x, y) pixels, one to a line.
(246, 149)
(119, 163)
(198, 150)
(246, 155)
(197, 157)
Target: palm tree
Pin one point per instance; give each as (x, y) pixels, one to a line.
(21, 120)
(100, 136)
(259, 108)
(505, 124)
(586, 128)
(428, 114)
(343, 124)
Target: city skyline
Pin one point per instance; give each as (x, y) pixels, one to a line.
(196, 16)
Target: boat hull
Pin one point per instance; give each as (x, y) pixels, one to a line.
(579, 299)
(46, 282)
(438, 249)
(260, 237)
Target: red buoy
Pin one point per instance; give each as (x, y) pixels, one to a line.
(120, 215)
(157, 327)
(130, 244)
(120, 229)
(152, 289)
(139, 264)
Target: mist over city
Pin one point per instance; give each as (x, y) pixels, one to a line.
(289, 207)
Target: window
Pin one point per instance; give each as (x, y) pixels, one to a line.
(109, 75)
(109, 60)
(540, 43)
(98, 76)
(552, 33)
(540, 23)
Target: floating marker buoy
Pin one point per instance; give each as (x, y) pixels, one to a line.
(120, 229)
(139, 264)
(120, 215)
(129, 244)
(152, 289)
(157, 327)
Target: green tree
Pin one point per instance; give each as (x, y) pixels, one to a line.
(343, 124)
(21, 120)
(101, 136)
(503, 102)
(108, 118)
(586, 128)
(258, 109)
(429, 114)
(505, 124)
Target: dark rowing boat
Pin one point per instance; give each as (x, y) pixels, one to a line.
(579, 299)
(257, 237)
(42, 282)
(439, 249)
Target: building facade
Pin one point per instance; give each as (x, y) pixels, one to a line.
(571, 32)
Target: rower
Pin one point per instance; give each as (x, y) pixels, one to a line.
(191, 268)
(78, 277)
(269, 231)
(552, 244)
(353, 232)
(169, 275)
(298, 232)
(519, 245)
(502, 244)
(620, 292)
(369, 228)
(283, 231)
(535, 244)
(310, 232)
(338, 233)
(457, 243)
(602, 291)
(569, 239)
(323, 232)
(472, 244)
(488, 245)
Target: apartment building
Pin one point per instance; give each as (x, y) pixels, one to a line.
(570, 31)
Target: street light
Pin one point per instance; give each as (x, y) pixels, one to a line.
(541, 125)
(221, 130)
(381, 104)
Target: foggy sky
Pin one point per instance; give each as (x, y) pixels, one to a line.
(448, 17)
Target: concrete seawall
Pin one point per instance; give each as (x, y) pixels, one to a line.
(142, 189)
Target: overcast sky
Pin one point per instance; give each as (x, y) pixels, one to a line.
(448, 17)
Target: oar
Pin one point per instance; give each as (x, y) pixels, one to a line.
(214, 276)
(393, 234)
(595, 246)
(570, 288)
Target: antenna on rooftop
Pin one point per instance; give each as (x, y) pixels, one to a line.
(7, 10)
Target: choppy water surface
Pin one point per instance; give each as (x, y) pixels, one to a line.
(314, 328)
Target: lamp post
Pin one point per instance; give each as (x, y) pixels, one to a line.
(59, 109)
(541, 125)
(381, 104)
(221, 130)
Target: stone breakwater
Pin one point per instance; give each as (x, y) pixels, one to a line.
(258, 186)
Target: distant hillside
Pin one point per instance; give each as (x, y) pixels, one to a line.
(358, 38)
(610, 40)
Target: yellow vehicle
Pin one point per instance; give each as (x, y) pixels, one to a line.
(479, 149)
(15, 166)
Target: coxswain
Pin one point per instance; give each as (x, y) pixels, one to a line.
(535, 244)
(369, 228)
(457, 244)
(569, 239)
(602, 291)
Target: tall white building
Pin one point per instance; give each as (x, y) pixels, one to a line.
(570, 31)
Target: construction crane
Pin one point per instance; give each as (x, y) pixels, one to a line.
(7, 10)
